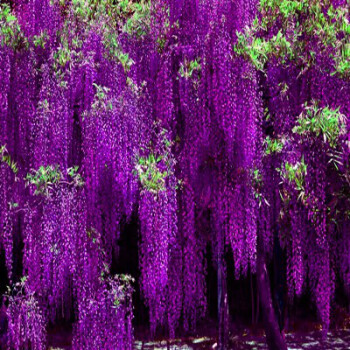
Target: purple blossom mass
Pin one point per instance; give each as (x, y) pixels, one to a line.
(168, 163)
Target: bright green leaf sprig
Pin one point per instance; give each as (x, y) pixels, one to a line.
(154, 169)
(6, 158)
(257, 184)
(40, 40)
(294, 174)
(304, 24)
(151, 177)
(326, 122)
(187, 68)
(273, 145)
(101, 100)
(125, 60)
(136, 16)
(258, 50)
(62, 56)
(76, 177)
(10, 30)
(45, 178)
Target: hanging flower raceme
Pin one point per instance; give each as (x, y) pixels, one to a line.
(5, 68)
(8, 205)
(191, 138)
(193, 279)
(51, 237)
(225, 83)
(112, 135)
(296, 250)
(344, 254)
(158, 247)
(322, 279)
(26, 323)
(192, 132)
(104, 302)
(105, 320)
(164, 106)
(51, 125)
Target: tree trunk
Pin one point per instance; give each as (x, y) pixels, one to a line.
(274, 338)
(252, 299)
(223, 312)
(257, 307)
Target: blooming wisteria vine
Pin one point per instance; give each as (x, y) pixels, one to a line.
(213, 123)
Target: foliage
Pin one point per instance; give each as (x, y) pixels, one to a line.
(259, 50)
(273, 145)
(101, 98)
(153, 170)
(294, 174)
(76, 177)
(135, 15)
(302, 25)
(40, 40)
(45, 178)
(151, 178)
(6, 158)
(10, 31)
(325, 122)
(189, 67)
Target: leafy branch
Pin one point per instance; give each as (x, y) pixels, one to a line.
(273, 145)
(154, 169)
(6, 158)
(257, 184)
(303, 25)
(326, 122)
(45, 178)
(187, 68)
(294, 175)
(10, 30)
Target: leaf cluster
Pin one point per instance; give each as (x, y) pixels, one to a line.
(101, 100)
(40, 40)
(273, 145)
(294, 174)
(326, 122)
(43, 179)
(135, 15)
(187, 68)
(10, 31)
(150, 176)
(257, 185)
(154, 169)
(76, 177)
(304, 27)
(259, 50)
(6, 158)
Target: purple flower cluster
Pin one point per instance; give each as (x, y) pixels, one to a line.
(113, 109)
